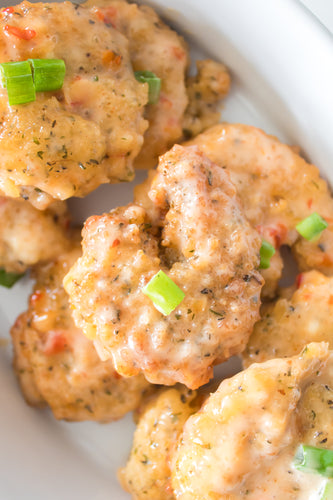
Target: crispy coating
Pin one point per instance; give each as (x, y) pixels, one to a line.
(57, 365)
(186, 105)
(278, 189)
(196, 232)
(100, 103)
(294, 320)
(242, 442)
(205, 90)
(29, 236)
(154, 47)
(147, 474)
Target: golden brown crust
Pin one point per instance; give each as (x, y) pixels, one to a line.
(100, 102)
(196, 232)
(278, 189)
(57, 365)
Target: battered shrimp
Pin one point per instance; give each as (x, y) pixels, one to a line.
(68, 142)
(28, 236)
(185, 105)
(242, 442)
(294, 320)
(57, 365)
(147, 474)
(196, 232)
(278, 189)
(205, 90)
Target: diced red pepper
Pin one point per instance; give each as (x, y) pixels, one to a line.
(55, 343)
(8, 10)
(299, 280)
(26, 34)
(107, 15)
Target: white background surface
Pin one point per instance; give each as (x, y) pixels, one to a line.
(269, 46)
(323, 10)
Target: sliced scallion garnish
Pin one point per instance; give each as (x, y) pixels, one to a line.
(154, 84)
(327, 491)
(16, 77)
(24, 78)
(316, 460)
(266, 253)
(164, 293)
(9, 279)
(48, 74)
(312, 226)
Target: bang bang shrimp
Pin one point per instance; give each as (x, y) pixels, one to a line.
(68, 142)
(186, 105)
(57, 365)
(300, 316)
(278, 189)
(196, 232)
(29, 236)
(242, 442)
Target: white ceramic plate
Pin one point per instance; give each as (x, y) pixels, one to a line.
(281, 60)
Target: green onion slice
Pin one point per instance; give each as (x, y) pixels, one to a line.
(266, 253)
(17, 78)
(164, 293)
(48, 74)
(327, 491)
(154, 84)
(9, 279)
(312, 459)
(312, 226)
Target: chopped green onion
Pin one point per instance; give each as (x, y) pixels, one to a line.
(327, 491)
(266, 253)
(312, 226)
(48, 74)
(312, 459)
(154, 84)
(17, 78)
(164, 293)
(9, 279)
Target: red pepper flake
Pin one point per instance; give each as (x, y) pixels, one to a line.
(178, 53)
(26, 34)
(35, 297)
(8, 10)
(309, 203)
(275, 234)
(55, 343)
(299, 280)
(112, 59)
(107, 15)
(330, 300)
(115, 243)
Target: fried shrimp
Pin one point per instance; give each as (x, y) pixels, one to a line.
(186, 105)
(29, 236)
(196, 232)
(302, 316)
(68, 142)
(57, 365)
(205, 90)
(147, 474)
(241, 444)
(278, 190)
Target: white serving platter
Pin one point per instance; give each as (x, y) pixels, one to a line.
(281, 61)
